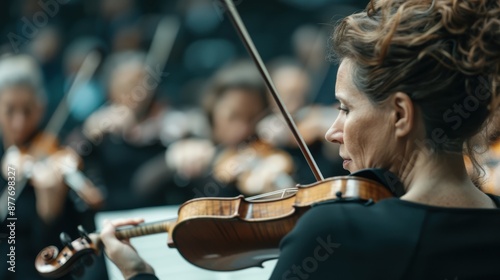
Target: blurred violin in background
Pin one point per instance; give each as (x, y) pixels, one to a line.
(45, 163)
(256, 168)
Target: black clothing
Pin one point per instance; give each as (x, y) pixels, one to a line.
(392, 239)
(112, 165)
(144, 276)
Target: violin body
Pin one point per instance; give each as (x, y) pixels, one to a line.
(231, 234)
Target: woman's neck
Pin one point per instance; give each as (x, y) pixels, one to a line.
(441, 180)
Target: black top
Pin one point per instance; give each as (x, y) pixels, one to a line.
(392, 239)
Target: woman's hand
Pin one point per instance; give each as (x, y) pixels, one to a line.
(50, 191)
(121, 252)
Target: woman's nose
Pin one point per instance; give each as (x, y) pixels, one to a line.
(335, 133)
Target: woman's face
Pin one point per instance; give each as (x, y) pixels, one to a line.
(293, 86)
(129, 85)
(235, 116)
(362, 129)
(20, 112)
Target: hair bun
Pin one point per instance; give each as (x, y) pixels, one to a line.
(474, 26)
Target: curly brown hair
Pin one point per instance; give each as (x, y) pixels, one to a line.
(445, 54)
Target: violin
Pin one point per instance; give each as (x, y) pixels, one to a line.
(226, 234)
(67, 163)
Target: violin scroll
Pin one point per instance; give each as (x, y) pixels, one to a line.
(52, 263)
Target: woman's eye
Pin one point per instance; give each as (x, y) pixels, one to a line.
(343, 108)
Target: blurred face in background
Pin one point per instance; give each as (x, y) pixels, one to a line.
(235, 115)
(293, 86)
(127, 85)
(20, 113)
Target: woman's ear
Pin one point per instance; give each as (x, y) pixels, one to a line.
(404, 114)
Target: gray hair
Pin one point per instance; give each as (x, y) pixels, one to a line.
(22, 70)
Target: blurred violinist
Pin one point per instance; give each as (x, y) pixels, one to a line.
(121, 136)
(131, 113)
(234, 103)
(294, 86)
(42, 206)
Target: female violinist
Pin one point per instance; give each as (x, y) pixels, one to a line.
(417, 80)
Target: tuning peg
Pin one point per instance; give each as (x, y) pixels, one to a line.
(83, 233)
(66, 240)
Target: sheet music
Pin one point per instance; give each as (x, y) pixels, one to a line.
(168, 263)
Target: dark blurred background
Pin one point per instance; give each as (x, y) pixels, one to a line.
(49, 30)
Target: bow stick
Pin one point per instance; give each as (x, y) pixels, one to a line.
(247, 41)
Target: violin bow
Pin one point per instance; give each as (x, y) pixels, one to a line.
(159, 53)
(252, 50)
(83, 76)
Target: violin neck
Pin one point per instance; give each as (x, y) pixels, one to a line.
(144, 229)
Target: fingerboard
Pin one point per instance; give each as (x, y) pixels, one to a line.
(144, 229)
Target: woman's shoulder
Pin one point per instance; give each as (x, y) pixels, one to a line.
(346, 217)
(392, 213)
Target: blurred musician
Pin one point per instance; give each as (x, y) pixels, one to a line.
(117, 139)
(41, 208)
(294, 85)
(234, 102)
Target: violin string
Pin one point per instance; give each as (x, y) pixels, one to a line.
(282, 192)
